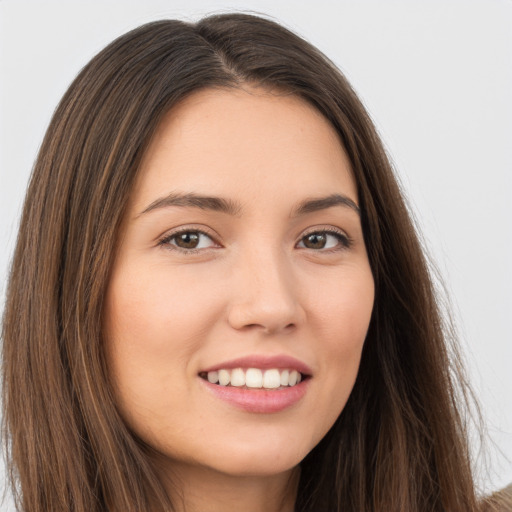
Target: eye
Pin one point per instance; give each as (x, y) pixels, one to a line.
(325, 240)
(189, 240)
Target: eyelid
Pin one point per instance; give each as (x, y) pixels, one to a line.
(163, 240)
(345, 240)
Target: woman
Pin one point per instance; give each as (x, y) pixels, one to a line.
(218, 299)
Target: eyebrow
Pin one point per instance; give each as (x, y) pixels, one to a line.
(314, 205)
(233, 208)
(217, 204)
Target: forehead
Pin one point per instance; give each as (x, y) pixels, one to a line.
(244, 142)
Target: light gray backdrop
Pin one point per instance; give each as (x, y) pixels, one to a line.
(436, 76)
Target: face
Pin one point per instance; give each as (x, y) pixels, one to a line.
(241, 294)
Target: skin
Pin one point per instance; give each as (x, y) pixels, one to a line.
(252, 286)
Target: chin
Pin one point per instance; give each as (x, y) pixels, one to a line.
(262, 466)
(262, 457)
(240, 457)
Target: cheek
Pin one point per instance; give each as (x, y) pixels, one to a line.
(148, 312)
(341, 324)
(344, 308)
(153, 327)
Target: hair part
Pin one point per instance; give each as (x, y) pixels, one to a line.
(400, 442)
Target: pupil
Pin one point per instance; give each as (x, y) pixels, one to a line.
(188, 240)
(315, 241)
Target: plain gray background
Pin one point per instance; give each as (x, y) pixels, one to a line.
(436, 77)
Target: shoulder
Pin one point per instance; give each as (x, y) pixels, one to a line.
(500, 501)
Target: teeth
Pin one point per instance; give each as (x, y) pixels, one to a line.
(271, 379)
(238, 377)
(224, 377)
(255, 378)
(213, 377)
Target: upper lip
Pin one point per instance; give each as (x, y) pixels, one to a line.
(263, 362)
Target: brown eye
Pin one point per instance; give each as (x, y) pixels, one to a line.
(188, 241)
(315, 241)
(329, 240)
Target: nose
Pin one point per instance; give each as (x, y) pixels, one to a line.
(264, 294)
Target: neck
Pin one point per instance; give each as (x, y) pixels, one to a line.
(204, 490)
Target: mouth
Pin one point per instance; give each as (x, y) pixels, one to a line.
(255, 378)
(259, 383)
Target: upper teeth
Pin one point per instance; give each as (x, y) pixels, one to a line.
(255, 378)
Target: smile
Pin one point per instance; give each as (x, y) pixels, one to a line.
(254, 378)
(258, 383)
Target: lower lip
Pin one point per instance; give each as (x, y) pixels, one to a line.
(261, 401)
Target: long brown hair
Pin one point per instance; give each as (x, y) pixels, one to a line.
(400, 443)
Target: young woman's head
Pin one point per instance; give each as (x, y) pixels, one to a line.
(212, 212)
(241, 257)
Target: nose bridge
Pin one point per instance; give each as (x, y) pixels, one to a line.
(265, 292)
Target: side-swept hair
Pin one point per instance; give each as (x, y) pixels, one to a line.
(400, 443)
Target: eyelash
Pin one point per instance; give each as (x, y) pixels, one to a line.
(345, 242)
(165, 242)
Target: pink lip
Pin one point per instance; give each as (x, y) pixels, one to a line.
(263, 362)
(260, 401)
